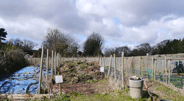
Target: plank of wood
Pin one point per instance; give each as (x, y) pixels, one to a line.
(25, 96)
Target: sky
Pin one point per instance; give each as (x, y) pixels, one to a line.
(119, 22)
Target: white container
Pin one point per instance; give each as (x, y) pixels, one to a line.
(136, 88)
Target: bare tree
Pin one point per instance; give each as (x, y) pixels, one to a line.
(109, 52)
(57, 41)
(93, 45)
(28, 45)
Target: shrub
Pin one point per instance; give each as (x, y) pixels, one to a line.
(13, 60)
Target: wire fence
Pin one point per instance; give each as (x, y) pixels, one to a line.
(156, 67)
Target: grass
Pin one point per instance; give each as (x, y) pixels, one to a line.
(165, 92)
(116, 96)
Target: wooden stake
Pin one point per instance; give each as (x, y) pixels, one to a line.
(59, 86)
(123, 84)
(40, 78)
(152, 67)
(169, 67)
(140, 66)
(163, 69)
(110, 65)
(104, 61)
(115, 66)
(47, 67)
(55, 62)
(166, 68)
(100, 61)
(155, 66)
(52, 65)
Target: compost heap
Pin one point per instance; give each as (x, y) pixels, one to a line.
(80, 71)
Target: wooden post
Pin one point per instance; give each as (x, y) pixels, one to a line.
(40, 78)
(52, 65)
(123, 84)
(155, 66)
(34, 61)
(115, 66)
(47, 67)
(169, 67)
(140, 66)
(104, 61)
(166, 68)
(110, 65)
(100, 61)
(163, 70)
(104, 65)
(152, 67)
(55, 62)
(59, 86)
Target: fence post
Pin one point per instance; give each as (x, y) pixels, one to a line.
(104, 66)
(163, 70)
(55, 62)
(140, 66)
(58, 60)
(152, 67)
(34, 61)
(123, 84)
(115, 66)
(52, 65)
(100, 61)
(166, 68)
(40, 78)
(169, 68)
(148, 65)
(110, 65)
(47, 67)
(155, 66)
(104, 61)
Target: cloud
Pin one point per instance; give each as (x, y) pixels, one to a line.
(119, 22)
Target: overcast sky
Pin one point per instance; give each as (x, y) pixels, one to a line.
(119, 22)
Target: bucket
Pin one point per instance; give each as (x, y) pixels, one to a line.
(136, 87)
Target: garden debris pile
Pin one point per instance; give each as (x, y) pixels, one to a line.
(80, 71)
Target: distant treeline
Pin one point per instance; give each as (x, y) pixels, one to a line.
(92, 46)
(164, 47)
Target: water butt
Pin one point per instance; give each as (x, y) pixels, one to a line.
(136, 87)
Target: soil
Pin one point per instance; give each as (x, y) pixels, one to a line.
(78, 76)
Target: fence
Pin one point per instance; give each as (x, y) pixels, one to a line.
(156, 67)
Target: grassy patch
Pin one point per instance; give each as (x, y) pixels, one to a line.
(117, 96)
